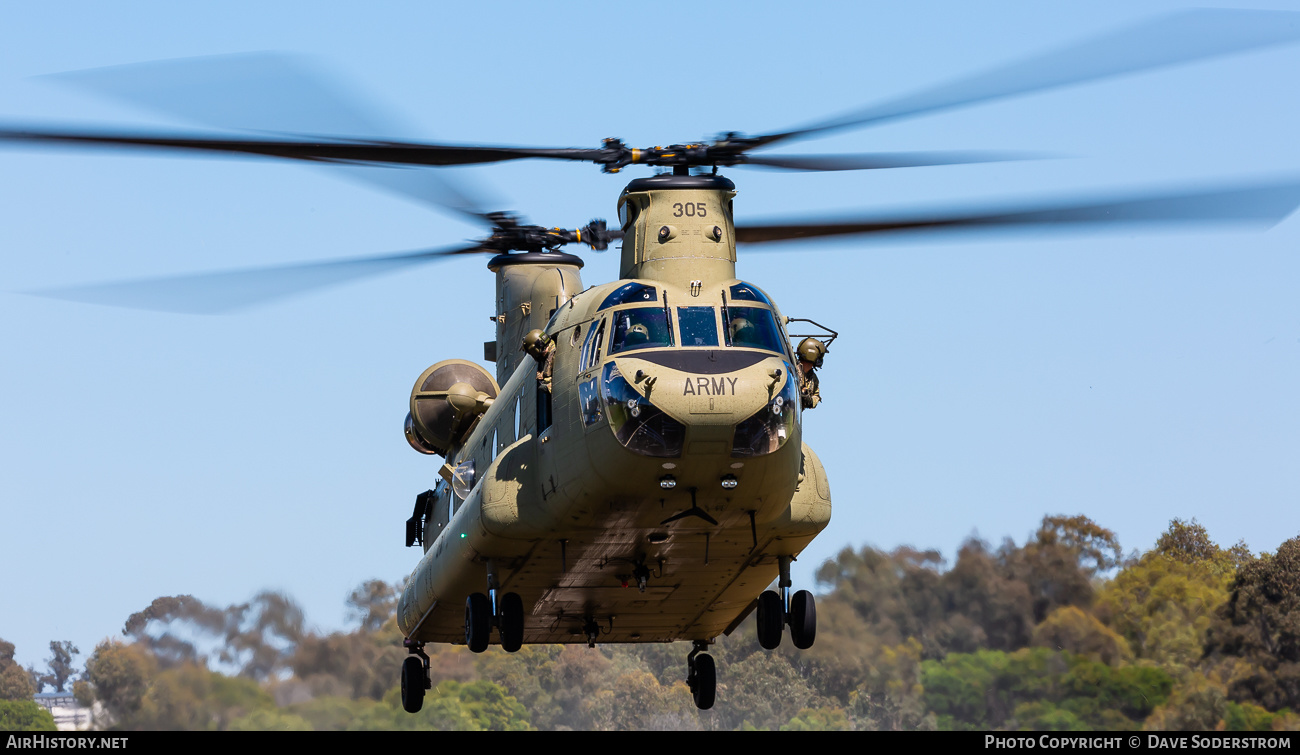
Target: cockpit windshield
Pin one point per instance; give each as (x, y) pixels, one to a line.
(748, 292)
(640, 328)
(753, 328)
(628, 293)
(699, 326)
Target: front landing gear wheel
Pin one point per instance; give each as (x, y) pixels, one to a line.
(803, 620)
(478, 622)
(512, 622)
(705, 683)
(413, 684)
(771, 620)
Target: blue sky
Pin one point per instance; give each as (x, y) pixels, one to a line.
(976, 386)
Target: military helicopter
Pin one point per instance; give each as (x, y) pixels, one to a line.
(639, 473)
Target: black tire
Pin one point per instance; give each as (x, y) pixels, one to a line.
(478, 622)
(706, 681)
(771, 620)
(803, 619)
(413, 680)
(512, 622)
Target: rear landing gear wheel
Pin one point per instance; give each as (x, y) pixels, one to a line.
(701, 675)
(705, 685)
(478, 622)
(803, 620)
(771, 620)
(512, 622)
(414, 680)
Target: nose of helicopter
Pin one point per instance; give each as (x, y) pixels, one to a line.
(732, 404)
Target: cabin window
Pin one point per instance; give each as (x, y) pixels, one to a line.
(463, 479)
(640, 328)
(506, 428)
(754, 328)
(699, 326)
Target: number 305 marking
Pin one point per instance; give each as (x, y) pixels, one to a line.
(690, 210)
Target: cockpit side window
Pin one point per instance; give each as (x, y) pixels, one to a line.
(699, 326)
(754, 328)
(640, 328)
(591, 348)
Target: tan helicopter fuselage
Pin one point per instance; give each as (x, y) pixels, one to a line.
(669, 444)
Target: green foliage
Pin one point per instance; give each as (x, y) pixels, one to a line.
(1197, 704)
(121, 674)
(1074, 630)
(819, 719)
(1164, 603)
(1260, 624)
(1018, 637)
(60, 665)
(765, 689)
(372, 604)
(987, 689)
(1247, 717)
(25, 715)
(15, 683)
(269, 719)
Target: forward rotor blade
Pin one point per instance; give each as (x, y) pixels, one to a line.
(316, 150)
(274, 94)
(876, 161)
(1254, 205)
(228, 291)
(1177, 38)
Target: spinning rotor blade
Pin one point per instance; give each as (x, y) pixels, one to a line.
(1177, 38)
(213, 293)
(313, 149)
(877, 161)
(278, 95)
(1255, 205)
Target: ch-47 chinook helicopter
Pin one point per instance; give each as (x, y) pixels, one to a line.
(640, 475)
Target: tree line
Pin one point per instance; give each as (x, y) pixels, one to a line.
(1062, 632)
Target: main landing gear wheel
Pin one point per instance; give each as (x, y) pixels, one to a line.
(478, 622)
(771, 620)
(511, 622)
(414, 682)
(701, 676)
(803, 619)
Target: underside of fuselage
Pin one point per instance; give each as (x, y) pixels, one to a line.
(676, 565)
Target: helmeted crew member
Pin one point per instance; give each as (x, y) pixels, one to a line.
(743, 332)
(541, 347)
(811, 351)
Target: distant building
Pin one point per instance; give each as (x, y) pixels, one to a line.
(68, 715)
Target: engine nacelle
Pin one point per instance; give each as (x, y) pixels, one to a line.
(445, 401)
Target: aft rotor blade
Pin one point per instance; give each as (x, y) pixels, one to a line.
(876, 161)
(228, 291)
(275, 94)
(1264, 205)
(1181, 37)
